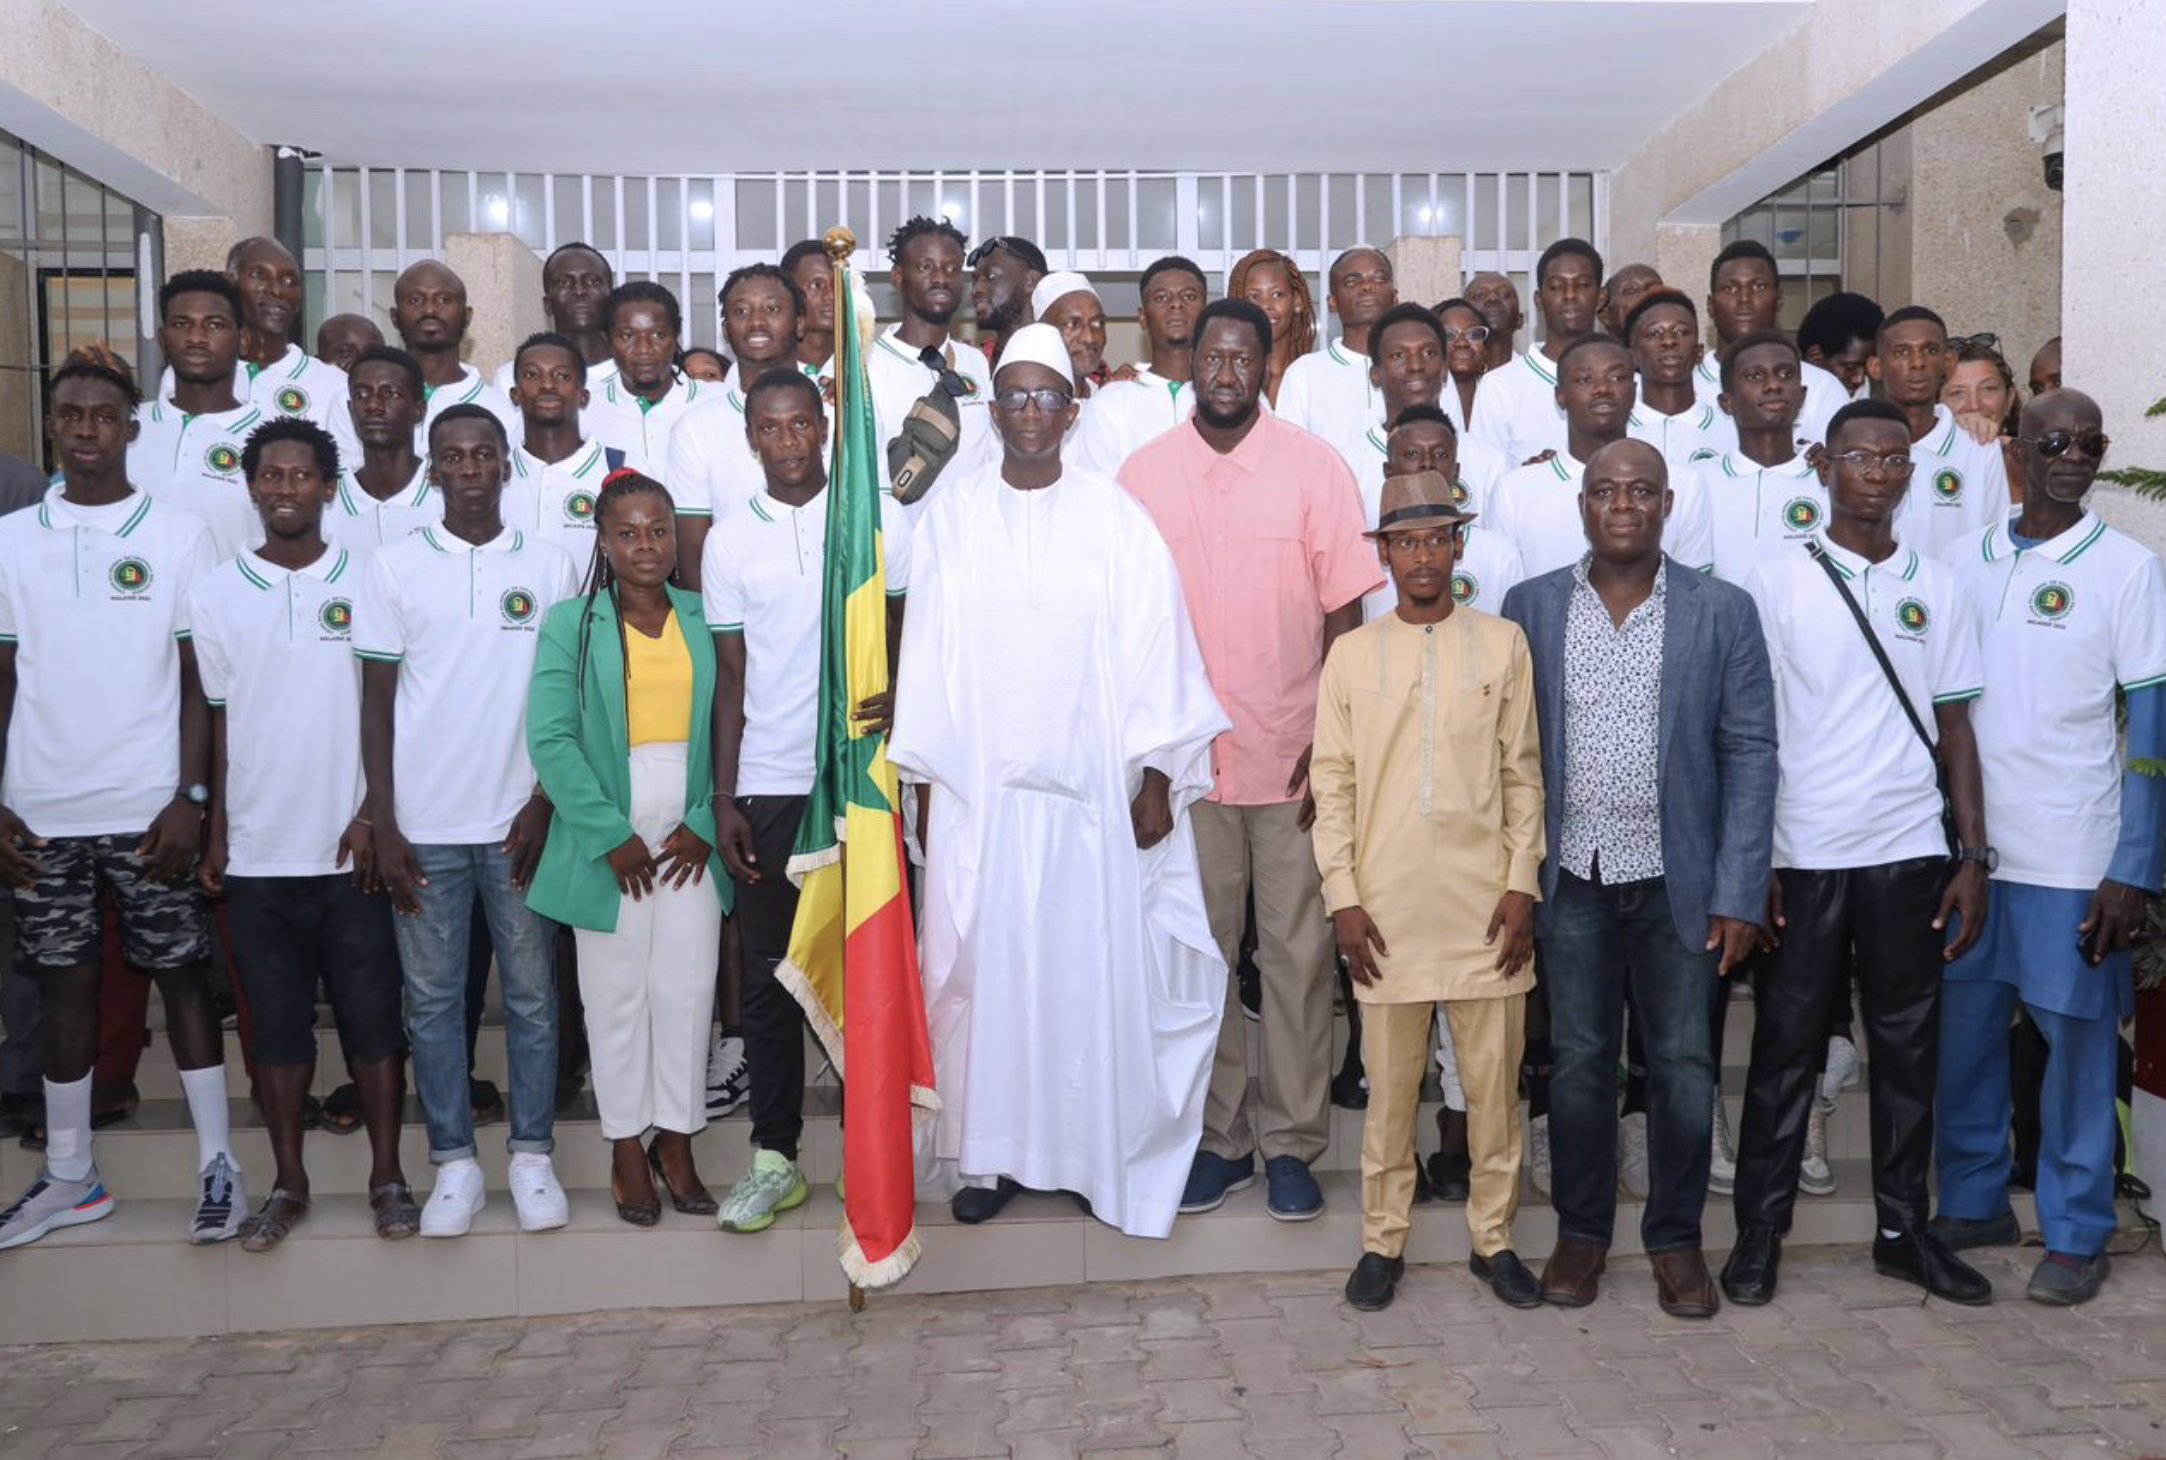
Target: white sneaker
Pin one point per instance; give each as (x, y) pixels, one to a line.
(1632, 1155)
(535, 1192)
(1538, 1154)
(1722, 1158)
(1814, 1176)
(1842, 1071)
(460, 1191)
(729, 1076)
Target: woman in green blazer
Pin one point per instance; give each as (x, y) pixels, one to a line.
(617, 724)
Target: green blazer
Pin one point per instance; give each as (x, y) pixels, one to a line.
(582, 756)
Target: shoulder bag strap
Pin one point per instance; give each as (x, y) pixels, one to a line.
(1872, 641)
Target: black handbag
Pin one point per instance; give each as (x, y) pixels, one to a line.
(1880, 656)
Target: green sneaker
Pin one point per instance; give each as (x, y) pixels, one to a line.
(774, 1184)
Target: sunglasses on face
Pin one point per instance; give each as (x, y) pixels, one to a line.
(1980, 341)
(2056, 443)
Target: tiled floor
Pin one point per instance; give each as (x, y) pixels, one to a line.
(1844, 1363)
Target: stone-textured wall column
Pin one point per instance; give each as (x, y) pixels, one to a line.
(1427, 270)
(18, 388)
(199, 243)
(504, 286)
(1684, 252)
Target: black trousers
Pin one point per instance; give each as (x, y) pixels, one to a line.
(1886, 914)
(774, 1024)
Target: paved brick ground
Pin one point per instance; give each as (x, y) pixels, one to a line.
(1845, 1364)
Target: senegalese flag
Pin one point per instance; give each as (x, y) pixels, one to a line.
(853, 951)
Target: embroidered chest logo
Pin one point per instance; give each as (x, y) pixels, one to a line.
(1801, 514)
(336, 616)
(1460, 495)
(579, 508)
(223, 459)
(1911, 618)
(2050, 602)
(292, 400)
(1947, 485)
(517, 606)
(1465, 587)
(130, 576)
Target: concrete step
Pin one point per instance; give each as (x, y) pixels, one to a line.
(133, 1275)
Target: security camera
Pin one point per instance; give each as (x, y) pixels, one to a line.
(2046, 135)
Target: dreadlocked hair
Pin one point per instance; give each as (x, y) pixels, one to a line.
(916, 227)
(622, 483)
(1301, 329)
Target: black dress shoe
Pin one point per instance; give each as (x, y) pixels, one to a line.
(1921, 1258)
(1508, 1278)
(1375, 1279)
(975, 1204)
(1748, 1278)
(1960, 1234)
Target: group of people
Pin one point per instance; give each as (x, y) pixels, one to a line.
(1534, 697)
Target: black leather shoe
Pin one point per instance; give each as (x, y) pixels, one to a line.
(1960, 1234)
(1508, 1278)
(1748, 1278)
(1921, 1258)
(975, 1204)
(1375, 1279)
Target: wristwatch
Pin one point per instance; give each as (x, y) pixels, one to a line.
(195, 792)
(1985, 857)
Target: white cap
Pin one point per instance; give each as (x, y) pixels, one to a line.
(1054, 287)
(1037, 344)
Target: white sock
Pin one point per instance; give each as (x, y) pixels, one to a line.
(67, 1129)
(206, 1092)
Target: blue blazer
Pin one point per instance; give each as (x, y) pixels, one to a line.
(1715, 745)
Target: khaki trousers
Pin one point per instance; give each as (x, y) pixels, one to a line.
(1265, 845)
(1489, 1035)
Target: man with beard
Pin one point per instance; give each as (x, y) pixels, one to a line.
(188, 451)
(638, 410)
(1003, 272)
(1128, 413)
(1519, 413)
(575, 281)
(1744, 294)
(813, 273)
(1329, 391)
(918, 353)
(1265, 526)
(341, 339)
(430, 312)
(1068, 302)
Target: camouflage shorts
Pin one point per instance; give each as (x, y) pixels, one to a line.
(56, 919)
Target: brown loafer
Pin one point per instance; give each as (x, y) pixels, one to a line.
(1573, 1273)
(1682, 1284)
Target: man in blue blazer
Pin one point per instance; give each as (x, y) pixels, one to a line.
(1657, 713)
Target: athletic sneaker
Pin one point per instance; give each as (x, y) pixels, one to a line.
(773, 1185)
(1722, 1162)
(537, 1194)
(1814, 1176)
(1632, 1155)
(223, 1205)
(1842, 1069)
(51, 1204)
(460, 1191)
(1538, 1154)
(729, 1076)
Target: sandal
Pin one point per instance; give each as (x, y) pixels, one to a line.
(269, 1224)
(698, 1202)
(342, 1110)
(639, 1213)
(397, 1215)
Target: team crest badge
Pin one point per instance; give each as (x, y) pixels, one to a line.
(2052, 601)
(223, 459)
(1911, 617)
(130, 575)
(518, 606)
(579, 508)
(1464, 587)
(336, 616)
(1801, 514)
(1948, 485)
(1460, 495)
(293, 400)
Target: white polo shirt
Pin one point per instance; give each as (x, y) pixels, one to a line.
(1537, 507)
(1824, 396)
(461, 623)
(1125, 414)
(1677, 437)
(2065, 623)
(555, 500)
(1958, 487)
(761, 576)
(1856, 788)
(468, 390)
(1757, 510)
(1327, 393)
(94, 600)
(710, 457)
(361, 524)
(639, 428)
(597, 376)
(275, 649)
(1516, 410)
(193, 463)
(1481, 466)
(898, 378)
(295, 384)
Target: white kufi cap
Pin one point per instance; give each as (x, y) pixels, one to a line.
(1058, 286)
(1037, 344)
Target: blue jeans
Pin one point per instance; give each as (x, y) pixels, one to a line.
(1600, 937)
(433, 951)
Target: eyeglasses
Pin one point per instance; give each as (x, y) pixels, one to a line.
(1407, 545)
(1871, 463)
(1046, 399)
(1980, 341)
(1473, 334)
(2056, 443)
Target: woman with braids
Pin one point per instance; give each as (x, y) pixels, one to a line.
(1272, 282)
(617, 724)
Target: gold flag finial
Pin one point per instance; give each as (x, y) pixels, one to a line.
(840, 243)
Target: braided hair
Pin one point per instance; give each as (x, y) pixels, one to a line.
(1301, 329)
(601, 578)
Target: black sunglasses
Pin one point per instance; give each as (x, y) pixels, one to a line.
(997, 241)
(2056, 443)
(1981, 341)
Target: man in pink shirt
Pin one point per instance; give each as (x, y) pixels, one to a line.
(1265, 524)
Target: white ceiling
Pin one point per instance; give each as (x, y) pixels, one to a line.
(735, 85)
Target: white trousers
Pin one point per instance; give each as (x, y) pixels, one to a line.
(649, 986)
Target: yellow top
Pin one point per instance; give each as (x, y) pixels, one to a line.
(657, 684)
